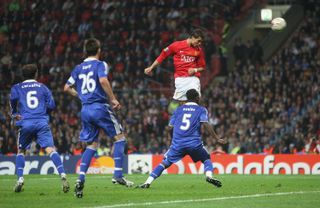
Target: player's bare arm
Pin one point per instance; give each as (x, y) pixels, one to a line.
(212, 133)
(70, 90)
(108, 90)
(148, 70)
(192, 71)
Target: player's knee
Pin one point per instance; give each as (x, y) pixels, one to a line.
(21, 151)
(49, 150)
(93, 145)
(119, 137)
(166, 164)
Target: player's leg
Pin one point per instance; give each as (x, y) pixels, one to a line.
(109, 123)
(156, 173)
(200, 153)
(45, 140)
(88, 134)
(25, 135)
(86, 158)
(118, 156)
(20, 162)
(171, 156)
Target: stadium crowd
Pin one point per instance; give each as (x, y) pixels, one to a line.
(255, 101)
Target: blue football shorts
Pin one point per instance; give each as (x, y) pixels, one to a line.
(34, 129)
(98, 116)
(197, 153)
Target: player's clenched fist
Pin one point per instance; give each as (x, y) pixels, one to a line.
(115, 104)
(148, 71)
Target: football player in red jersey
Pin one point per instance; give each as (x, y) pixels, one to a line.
(189, 61)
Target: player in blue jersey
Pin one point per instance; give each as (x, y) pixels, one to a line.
(89, 82)
(31, 102)
(186, 122)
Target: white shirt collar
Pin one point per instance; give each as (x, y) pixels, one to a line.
(191, 103)
(90, 59)
(30, 80)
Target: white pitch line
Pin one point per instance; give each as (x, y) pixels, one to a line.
(205, 200)
(69, 177)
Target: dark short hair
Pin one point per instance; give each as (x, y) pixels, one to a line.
(29, 71)
(192, 95)
(197, 33)
(91, 46)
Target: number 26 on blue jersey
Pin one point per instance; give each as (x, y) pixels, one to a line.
(88, 83)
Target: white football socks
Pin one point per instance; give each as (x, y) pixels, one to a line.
(209, 174)
(149, 180)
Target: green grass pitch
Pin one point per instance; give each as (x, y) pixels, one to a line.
(167, 191)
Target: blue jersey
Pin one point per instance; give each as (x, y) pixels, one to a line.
(85, 77)
(186, 123)
(31, 100)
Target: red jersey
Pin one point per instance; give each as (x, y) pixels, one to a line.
(184, 58)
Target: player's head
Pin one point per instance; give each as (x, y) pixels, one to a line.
(29, 71)
(193, 96)
(196, 38)
(92, 47)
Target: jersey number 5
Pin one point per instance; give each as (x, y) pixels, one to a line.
(186, 122)
(32, 100)
(88, 84)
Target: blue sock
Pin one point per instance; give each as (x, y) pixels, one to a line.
(208, 165)
(157, 171)
(20, 165)
(85, 162)
(55, 157)
(118, 155)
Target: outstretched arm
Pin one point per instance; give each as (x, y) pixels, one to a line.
(212, 133)
(148, 70)
(163, 55)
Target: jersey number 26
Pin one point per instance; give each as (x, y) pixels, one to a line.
(88, 84)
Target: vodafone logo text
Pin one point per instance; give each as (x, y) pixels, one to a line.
(250, 164)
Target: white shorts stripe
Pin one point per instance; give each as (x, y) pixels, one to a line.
(116, 124)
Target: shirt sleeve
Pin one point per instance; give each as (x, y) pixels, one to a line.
(49, 100)
(201, 62)
(166, 52)
(103, 70)
(72, 79)
(204, 116)
(14, 97)
(172, 119)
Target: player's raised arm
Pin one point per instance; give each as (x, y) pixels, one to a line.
(163, 55)
(148, 70)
